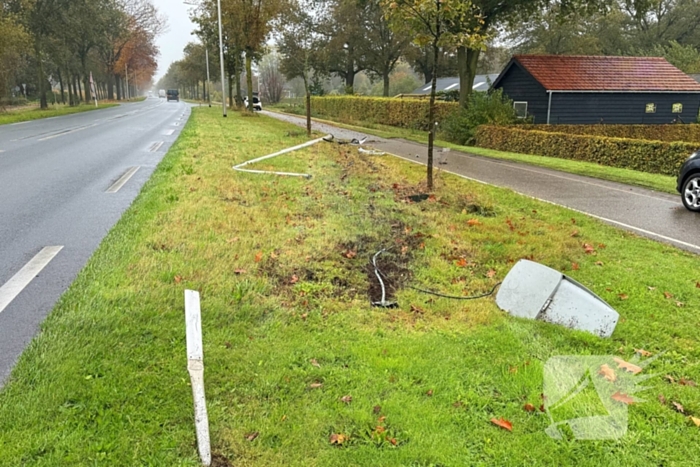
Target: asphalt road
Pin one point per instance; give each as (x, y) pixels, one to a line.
(55, 175)
(659, 216)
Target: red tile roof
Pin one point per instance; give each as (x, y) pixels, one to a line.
(593, 73)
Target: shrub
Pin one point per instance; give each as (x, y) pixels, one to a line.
(405, 113)
(647, 156)
(484, 109)
(669, 133)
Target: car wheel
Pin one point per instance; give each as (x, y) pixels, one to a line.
(691, 193)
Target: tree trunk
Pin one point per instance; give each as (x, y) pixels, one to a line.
(386, 83)
(86, 85)
(42, 78)
(60, 82)
(249, 78)
(118, 80)
(431, 114)
(230, 90)
(110, 86)
(467, 61)
(80, 91)
(239, 97)
(308, 105)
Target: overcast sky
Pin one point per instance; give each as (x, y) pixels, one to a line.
(179, 33)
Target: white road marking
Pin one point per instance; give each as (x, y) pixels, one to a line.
(2, 150)
(68, 132)
(156, 146)
(168, 132)
(26, 275)
(123, 179)
(176, 124)
(18, 123)
(604, 219)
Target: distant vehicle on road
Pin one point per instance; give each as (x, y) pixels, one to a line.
(150, 93)
(257, 104)
(689, 182)
(161, 93)
(173, 95)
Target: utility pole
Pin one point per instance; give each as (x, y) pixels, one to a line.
(206, 53)
(221, 59)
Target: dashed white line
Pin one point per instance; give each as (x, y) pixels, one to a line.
(26, 275)
(123, 179)
(168, 132)
(64, 133)
(156, 146)
(18, 123)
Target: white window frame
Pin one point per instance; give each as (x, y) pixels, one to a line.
(515, 103)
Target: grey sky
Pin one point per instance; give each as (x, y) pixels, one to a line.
(179, 33)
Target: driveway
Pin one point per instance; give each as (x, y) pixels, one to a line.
(655, 215)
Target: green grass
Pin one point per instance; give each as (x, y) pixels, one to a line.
(34, 113)
(662, 183)
(281, 264)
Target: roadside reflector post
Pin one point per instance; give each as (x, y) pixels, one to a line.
(195, 367)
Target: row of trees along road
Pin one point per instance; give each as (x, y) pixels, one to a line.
(43, 42)
(321, 38)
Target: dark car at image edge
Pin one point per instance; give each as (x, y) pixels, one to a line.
(173, 95)
(689, 182)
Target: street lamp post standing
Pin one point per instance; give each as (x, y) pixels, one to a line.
(221, 59)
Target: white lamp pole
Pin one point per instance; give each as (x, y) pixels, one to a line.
(221, 59)
(206, 53)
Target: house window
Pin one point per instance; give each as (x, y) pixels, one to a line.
(677, 108)
(651, 108)
(520, 109)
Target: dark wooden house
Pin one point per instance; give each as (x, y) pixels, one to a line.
(561, 89)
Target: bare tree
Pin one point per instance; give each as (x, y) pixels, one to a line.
(271, 78)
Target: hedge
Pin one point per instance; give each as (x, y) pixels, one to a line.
(646, 156)
(405, 113)
(672, 132)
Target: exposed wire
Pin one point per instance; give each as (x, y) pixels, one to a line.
(454, 297)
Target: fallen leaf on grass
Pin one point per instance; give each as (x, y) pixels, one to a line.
(696, 421)
(680, 304)
(670, 379)
(314, 362)
(575, 234)
(178, 279)
(697, 285)
(678, 407)
(238, 272)
(350, 254)
(338, 439)
(668, 295)
(662, 399)
(575, 267)
(513, 369)
(252, 436)
(346, 399)
(588, 248)
(643, 353)
(627, 366)
(529, 408)
(651, 288)
(599, 263)
(461, 263)
(491, 273)
(622, 397)
(294, 279)
(623, 296)
(376, 409)
(258, 256)
(429, 393)
(473, 222)
(542, 408)
(417, 310)
(315, 385)
(608, 373)
(686, 382)
(232, 240)
(304, 316)
(503, 423)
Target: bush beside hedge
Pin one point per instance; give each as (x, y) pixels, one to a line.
(646, 156)
(669, 133)
(405, 113)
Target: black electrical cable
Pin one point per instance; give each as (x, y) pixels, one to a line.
(453, 297)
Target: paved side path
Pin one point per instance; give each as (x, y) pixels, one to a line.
(659, 216)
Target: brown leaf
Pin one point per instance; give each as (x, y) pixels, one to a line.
(178, 279)
(621, 397)
(678, 407)
(392, 441)
(542, 408)
(575, 267)
(274, 255)
(573, 221)
(512, 369)
(238, 272)
(350, 254)
(588, 248)
(429, 393)
(575, 234)
(314, 362)
(346, 399)
(377, 409)
(608, 373)
(228, 345)
(629, 367)
(294, 279)
(529, 408)
(696, 421)
(623, 296)
(337, 439)
(643, 352)
(599, 263)
(686, 382)
(473, 222)
(491, 273)
(680, 304)
(461, 263)
(252, 436)
(668, 295)
(503, 423)
(662, 399)
(670, 379)
(417, 310)
(258, 256)
(315, 385)
(697, 285)
(232, 240)
(304, 316)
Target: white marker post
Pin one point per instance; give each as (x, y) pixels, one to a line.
(195, 366)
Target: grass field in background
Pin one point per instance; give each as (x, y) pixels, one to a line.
(295, 356)
(35, 113)
(662, 183)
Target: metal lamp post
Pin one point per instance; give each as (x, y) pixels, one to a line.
(221, 59)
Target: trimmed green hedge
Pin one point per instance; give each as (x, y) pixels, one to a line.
(672, 132)
(646, 156)
(405, 113)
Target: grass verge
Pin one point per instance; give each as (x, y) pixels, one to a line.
(34, 113)
(294, 353)
(662, 183)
